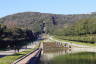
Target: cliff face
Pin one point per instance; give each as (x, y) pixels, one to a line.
(33, 20)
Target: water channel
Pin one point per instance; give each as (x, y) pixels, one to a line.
(67, 56)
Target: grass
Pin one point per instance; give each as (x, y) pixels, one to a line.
(12, 58)
(80, 43)
(77, 58)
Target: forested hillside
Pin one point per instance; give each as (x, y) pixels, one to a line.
(32, 20)
(78, 27)
(84, 31)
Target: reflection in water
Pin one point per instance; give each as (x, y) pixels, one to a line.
(48, 55)
(52, 50)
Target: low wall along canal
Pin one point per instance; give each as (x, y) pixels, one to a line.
(58, 53)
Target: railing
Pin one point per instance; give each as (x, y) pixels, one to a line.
(30, 58)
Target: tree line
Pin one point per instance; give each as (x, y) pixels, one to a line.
(84, 30)
(15, 37)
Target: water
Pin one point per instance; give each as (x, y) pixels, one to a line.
(67, 56)
(48, 55)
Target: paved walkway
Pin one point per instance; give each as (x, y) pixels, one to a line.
(26, 59)
(31, 58)
(77, 47)
(10, 52)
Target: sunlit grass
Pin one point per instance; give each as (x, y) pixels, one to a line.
(12, 58)
(80, 43)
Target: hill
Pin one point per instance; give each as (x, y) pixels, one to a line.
(76, 27)
(32, 20)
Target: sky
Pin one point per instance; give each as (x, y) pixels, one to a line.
(8, 7)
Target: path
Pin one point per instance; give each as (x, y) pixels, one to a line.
(10, 52)
(76, 47)
(31, 58)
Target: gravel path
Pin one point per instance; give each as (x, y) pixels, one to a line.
(77, 47)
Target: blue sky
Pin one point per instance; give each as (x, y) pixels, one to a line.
(8, 7)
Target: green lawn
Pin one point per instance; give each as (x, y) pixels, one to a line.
(81, 43)
(77, 58)
(12, 58)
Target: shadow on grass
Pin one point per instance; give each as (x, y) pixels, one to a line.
(17, 54)
(3, 49)
(2, 56)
